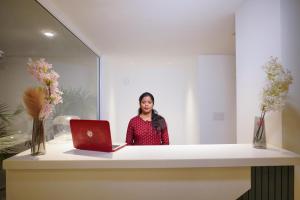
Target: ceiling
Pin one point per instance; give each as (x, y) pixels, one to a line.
(21, 32)
(150, 26)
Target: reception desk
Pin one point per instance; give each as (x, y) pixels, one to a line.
(139, 172)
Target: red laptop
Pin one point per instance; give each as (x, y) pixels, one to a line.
(92, 135)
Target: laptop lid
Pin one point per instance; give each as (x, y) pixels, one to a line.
(92, 135)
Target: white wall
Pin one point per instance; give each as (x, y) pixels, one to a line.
(170, 79)
(290, 15)
(291, 59)
(257, 38)
(174, 82)
(217, 99)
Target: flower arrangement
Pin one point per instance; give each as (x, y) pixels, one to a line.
(45, 97)
(275, 91)
(40, 101)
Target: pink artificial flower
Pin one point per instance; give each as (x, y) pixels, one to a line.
(46, 79)
(54, 87)
(56, 98)
(53, 75)
(46, 111)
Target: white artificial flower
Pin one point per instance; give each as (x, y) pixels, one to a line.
(277, 86)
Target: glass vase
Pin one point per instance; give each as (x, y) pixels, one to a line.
(259, 137)
(38, 138)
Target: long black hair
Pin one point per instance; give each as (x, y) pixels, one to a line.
(158, 122)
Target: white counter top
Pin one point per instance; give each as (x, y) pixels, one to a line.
(62, 155)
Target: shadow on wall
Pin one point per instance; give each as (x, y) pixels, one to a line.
(291, 128)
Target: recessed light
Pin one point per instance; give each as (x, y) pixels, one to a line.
(49, 34)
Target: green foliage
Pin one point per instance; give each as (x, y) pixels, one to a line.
(6, 116)
(76, 101)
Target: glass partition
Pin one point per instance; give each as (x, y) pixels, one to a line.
(29, 31)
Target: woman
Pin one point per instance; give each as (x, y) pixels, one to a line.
(147, 128)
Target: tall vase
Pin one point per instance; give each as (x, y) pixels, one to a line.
(259, 137)
(38, 138)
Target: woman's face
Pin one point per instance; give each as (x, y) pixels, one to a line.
(146, 105)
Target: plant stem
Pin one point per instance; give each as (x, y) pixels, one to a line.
(258, 134)
(49, 93)
(38, 142)
(262, 125)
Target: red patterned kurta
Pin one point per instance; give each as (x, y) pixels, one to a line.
(140, 132)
